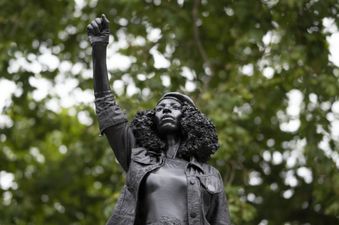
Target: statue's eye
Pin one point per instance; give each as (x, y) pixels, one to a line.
(176, 107)
(158, 109)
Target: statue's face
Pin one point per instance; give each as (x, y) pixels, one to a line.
(167, 115)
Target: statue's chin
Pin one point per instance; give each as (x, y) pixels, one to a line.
(167, 128)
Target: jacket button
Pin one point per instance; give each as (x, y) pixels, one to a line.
(193, 214)
(192, 182)
(210, 187)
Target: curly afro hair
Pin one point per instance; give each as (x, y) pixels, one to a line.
(198, 135)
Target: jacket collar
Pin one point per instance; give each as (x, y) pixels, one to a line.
(144, 156)
(196, 164)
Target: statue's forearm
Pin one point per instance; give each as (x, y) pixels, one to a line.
(101, 84)
(112, 120)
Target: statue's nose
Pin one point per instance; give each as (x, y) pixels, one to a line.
(166, 110)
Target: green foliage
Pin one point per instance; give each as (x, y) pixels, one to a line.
(244, 57)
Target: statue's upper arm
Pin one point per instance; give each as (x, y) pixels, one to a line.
(122, 140)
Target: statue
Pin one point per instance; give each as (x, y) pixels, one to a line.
(163, 152)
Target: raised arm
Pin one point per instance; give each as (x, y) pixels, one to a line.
(112, 121)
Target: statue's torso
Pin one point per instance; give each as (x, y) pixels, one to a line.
(197, 186)
(163, 196)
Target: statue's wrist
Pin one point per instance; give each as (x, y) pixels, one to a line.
(103, 93)
(99, 43)
(99, 40)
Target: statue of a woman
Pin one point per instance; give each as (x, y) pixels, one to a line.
(163, 151)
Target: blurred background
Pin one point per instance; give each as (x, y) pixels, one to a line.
(265, 72)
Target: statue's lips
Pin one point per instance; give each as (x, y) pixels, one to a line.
(167, 119)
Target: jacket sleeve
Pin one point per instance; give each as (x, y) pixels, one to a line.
(219, 214)
(113, 123)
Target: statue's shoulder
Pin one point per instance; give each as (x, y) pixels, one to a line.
(141, 155)
(209, 169)
(138, 153)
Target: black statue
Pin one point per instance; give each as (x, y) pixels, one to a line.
(163, 151)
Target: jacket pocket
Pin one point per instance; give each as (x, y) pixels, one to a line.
(212, 183)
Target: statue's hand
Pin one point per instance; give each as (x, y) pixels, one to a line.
(98, 30)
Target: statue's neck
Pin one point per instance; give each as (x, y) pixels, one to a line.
(173, 143)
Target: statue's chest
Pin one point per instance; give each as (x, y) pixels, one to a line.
(168, 178)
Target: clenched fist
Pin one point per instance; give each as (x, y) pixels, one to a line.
(98, 30)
